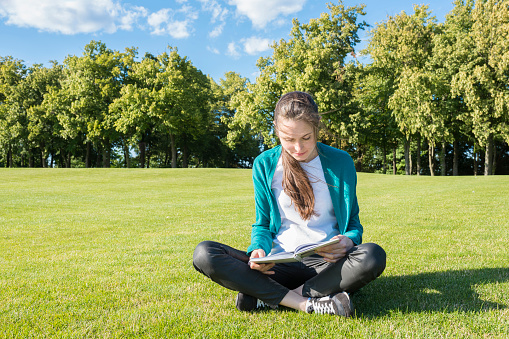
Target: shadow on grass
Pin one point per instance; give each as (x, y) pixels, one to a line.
(450, 291)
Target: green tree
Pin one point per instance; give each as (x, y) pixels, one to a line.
(445, 110)
(181, 102)
(373, 89)
(13, 119)
(312, 60)
(402, 45)
(482, 80)
(43, 126)
(90, 85)
(241, 150)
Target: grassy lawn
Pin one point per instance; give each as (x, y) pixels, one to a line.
(108, 253)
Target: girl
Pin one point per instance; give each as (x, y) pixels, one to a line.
(305, 192)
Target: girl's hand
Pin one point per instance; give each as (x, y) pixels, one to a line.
(335, 252)
(264, 268)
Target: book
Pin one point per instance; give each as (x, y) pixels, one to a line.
(300, 252)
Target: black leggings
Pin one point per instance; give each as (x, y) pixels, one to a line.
(228, 267)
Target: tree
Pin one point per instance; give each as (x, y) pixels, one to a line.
(450, 52)
(482, 80)
(90, 85)
(401, 46)
(240, 151)
(43, 126)
(181, 103)
(13, 121)
(133, 111)
(312, 60)
(372, 91)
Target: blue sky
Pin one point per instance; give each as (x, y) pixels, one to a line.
(216, 35)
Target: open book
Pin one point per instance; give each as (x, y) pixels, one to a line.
(300, 252)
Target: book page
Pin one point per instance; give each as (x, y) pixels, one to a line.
(303, 250)
(276, 258)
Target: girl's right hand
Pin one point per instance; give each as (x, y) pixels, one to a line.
(264, 268)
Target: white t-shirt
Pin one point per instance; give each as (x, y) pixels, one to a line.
(294, 231)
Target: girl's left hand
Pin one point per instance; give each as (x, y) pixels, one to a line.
(335, 252)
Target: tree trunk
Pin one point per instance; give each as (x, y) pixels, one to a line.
(87, 156)
(167, 152)
(173, 151)
(455, 158)
(488, 158)
(142, 146)
(443, 170)
(408, 165)
(410, 160)
(418, 160)
(68, 160)
(384, 156)
(98, 160)
(106, 154)
(494, 165)
(126, 155)
(148, 154)
(61, 159)
(44, 159)
(9, 158)
(394, 161)
(41, 156)
(185, 151)
(475, 160)
(431, 159)
(31, 159)
(185, 156)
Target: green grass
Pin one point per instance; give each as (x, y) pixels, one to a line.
(108, 253)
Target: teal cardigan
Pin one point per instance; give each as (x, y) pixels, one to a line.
(340, 175)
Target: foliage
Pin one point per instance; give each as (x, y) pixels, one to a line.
(312, 60)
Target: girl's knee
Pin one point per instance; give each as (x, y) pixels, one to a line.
(202, 255)
(374, 258)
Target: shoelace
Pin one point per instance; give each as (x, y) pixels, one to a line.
(323, 307)
(260, 304)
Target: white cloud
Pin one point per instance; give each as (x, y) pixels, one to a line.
(163, 22)
(213, 50)
(219, 14)
(93, 16)
(261, 12)
(190, 12)
(70, 17)
(255, 45)
(131, 17)
(217, 31)
(155, 20)
(179, 29)
(233, 50)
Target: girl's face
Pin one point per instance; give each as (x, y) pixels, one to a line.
(298, 138)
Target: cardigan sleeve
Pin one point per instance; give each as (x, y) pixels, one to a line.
(354, 228)
(340, 174)
(261, 235)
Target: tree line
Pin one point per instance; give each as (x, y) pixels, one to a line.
(105, 109)
(433, 99)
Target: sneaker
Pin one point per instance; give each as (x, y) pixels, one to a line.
(245, 302)
(337, 304)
